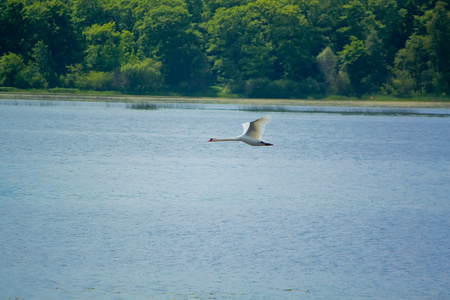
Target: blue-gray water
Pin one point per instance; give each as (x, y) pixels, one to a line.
(104, 202)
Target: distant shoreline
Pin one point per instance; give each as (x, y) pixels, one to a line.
(211, 100)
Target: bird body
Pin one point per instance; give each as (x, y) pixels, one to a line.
(252, 134)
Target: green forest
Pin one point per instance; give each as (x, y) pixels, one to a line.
(252, 48)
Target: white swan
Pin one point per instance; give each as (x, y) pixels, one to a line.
(252, 133)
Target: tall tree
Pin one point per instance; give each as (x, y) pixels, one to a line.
(121, 12)
(87, 13)
(412, 72)
(43, 61)
(167, 34)
(352, 21)
(51, 23)
(327, 61)
(103, 51)
(14, 29)
(391, 26)
(262, 39)
(423, 66)
(438, 29)
(354, 62)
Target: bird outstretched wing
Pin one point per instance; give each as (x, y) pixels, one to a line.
(256, 128)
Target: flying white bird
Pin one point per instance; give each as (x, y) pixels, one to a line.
(252, 134)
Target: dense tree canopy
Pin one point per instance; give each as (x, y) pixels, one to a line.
(256, 48)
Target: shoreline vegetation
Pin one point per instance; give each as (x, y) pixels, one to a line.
(283, 49)
(381, 101)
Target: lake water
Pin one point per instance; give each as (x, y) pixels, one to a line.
(99, 201)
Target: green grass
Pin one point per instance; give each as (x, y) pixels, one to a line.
(218, 95)
(8, 89)
(64, 91)
(221, 92)
(386, 98)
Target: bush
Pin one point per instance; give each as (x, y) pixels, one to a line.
(143, 76)
(265, 88)
(311, 87)
(402, 85)
(9, 89)
(99, 81)
(343, 84)
(75, 78)
(30, 77)
(283, 88)
(257, 88)
(10, 65)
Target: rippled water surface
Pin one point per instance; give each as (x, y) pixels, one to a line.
(100, 201)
